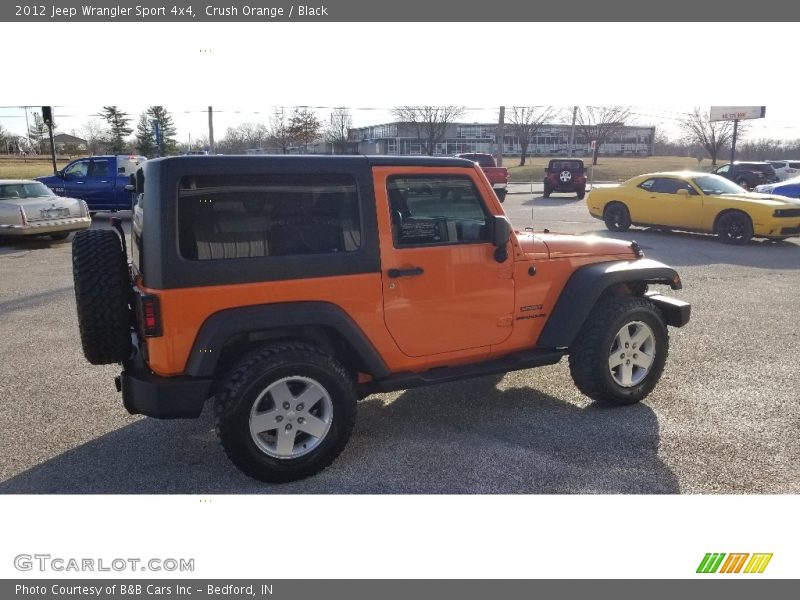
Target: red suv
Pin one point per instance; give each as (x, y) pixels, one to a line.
(565, 175)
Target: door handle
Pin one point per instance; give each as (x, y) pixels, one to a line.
(412, 272)
(80, 182)
(103, 181)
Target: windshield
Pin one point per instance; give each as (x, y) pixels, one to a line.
(15, 191)
(714, 184)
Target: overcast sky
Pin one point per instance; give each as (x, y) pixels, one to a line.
(781, 121)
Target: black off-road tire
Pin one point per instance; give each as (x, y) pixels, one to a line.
(253, 375)
(734, 227)
(102, 295)
(617, 217)
(589, 355)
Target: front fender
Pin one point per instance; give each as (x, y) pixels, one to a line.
(585, 287)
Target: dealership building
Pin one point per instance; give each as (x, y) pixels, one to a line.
(401, 139)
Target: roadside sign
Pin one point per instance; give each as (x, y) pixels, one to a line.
(593, 145)
(737, 113)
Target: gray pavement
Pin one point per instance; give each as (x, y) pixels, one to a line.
(724, 418)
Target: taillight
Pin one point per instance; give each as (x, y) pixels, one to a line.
(151, 316)
(23, 215)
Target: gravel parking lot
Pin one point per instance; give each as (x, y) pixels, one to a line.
(724, 418)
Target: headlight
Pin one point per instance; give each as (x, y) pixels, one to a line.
(787, 212)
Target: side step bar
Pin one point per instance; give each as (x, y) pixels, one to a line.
(526, 359)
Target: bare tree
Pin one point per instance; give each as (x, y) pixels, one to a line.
(5, 139)
(304, 126)
(601, 123)
(338, 132)
(96, 135)
(279, 130)
(524, 122)
(713, 136)
(429, 122)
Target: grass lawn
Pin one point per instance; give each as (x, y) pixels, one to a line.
(608, 168)
(28, 168)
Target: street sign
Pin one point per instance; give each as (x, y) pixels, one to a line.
(737, 113)
(593, 145)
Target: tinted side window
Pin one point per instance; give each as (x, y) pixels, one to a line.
(445, 209)
(77, 170)
(668, 185)
(723, 170)
(99, 168)
(233, 216)
(647, 185)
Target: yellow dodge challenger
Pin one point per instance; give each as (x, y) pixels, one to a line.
(695, 202)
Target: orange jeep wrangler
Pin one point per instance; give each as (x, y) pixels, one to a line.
(286, 287)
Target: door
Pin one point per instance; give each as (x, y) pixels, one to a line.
(100, 184)
(75, 179)
(443, 289)
(669, 201)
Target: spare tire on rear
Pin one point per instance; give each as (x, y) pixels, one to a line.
(102, 293)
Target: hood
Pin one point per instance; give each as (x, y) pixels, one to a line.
(557, 245)
(763, 199)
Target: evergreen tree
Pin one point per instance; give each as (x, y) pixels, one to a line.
(145, 137)
(118, 128)
(146, 132)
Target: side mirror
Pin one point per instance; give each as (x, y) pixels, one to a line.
(501, 233)
(683, 192)
(60, 174)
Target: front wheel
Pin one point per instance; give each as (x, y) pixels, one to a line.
(734, 228)
(581, 193)
(620, 353)
(616, 217)
(547, 191)
(285, 412)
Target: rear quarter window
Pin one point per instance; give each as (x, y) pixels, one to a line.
(257, 216)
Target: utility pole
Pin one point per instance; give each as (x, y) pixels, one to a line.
(501, 140)
(210, 130)
(47, 117)
(733, 144)
(572, 131)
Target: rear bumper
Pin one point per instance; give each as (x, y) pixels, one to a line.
(46, 227)
(144, 393)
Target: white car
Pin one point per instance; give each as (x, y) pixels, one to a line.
(786, 169)
(31, 208)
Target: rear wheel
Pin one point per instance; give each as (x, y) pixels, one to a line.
(617, 217)
(620, 353)
(102, 294)
(501, 194)
(285, 412)
(734, 228)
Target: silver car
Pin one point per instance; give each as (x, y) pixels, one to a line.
(31, 208)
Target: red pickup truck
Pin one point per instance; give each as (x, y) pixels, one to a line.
(497, 176)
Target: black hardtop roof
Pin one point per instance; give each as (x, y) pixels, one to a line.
(328, 161)
(564, 159)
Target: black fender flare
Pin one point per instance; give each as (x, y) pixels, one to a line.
(222, 325)
(584, 288)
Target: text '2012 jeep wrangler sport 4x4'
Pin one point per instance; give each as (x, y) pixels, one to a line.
(285, 288)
